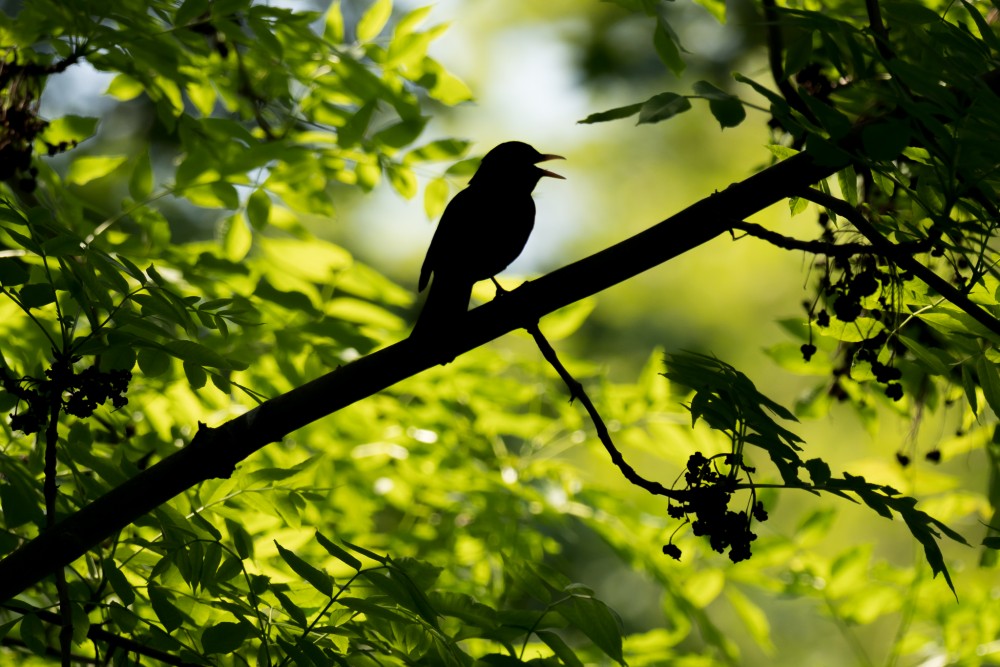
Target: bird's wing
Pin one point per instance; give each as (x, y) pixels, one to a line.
(447, 239)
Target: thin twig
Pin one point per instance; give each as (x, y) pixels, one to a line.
(823, 247)
(576, 391)
(51, 493)
(112, 640)
(880, 32)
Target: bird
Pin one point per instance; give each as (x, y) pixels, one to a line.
(483, 229)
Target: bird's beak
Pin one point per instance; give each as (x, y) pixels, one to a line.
(546, 172)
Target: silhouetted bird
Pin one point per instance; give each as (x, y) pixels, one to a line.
(483, 229)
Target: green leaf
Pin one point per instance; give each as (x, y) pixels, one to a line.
(237, 239)
(122, 617)
(69, 129)
(170, 616)
(435, 198)
(717, 8)
(442, 85)
(989, 380)
(338, 553)
(13, 272)
(224, 637)
(596, 621)
(88, 168)
(80, 621)
(153, 362)
(292, 609)
(33, 634)
(241, 539)
(365, 552)
(437, 151)
(196, 375)
(935, 361)
(565, 321)
(847, 179)
(219, 194)
(727, 109)
(37, 295)
(403, 180)
(399, 587)
(196, 353)
(559, 647)
(63, 245)
(190, 11)
(969, 386)
(884, 141)
(119, 584)
(319, 580)
(403, 133)
(663, 106)
(258, 208)
(753, 618)
(334, 23)
(140, 185)
(373, 20)
(124, 88)
(668, 47)
(613, 114)
(819, 471)
(351, 132)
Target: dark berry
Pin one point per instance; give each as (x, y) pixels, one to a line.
(672, 550)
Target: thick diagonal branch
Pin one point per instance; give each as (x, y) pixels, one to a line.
(214, 452)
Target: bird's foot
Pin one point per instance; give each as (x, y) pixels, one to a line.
(500, 290)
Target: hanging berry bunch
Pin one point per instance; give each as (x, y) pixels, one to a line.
(20, 123)
(704, 503)
(77, 393)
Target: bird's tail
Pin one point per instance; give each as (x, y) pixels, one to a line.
(447, 301)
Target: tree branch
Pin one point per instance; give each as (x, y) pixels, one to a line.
(576, 391)
(214, 452)
(823, 247)
(879, 31)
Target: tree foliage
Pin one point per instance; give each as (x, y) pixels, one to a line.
(159, 271)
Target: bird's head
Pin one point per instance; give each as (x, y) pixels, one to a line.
(514, 163)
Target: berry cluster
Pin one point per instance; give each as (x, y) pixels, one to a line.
(707, 498)
(846, 295)
(79, 394)
(20, 123)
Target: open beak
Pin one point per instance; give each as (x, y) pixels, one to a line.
(546, 172)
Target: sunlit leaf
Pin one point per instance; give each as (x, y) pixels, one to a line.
(70, 129)
(435, 199)
(88, 168)
(597, 622)
(224, 637)
(373, 20)
(613, 114)
(319, 580)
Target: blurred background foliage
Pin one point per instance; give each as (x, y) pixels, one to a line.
(253, 213)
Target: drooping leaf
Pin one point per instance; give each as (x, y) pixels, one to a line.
(318, 579)
(663, 106)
